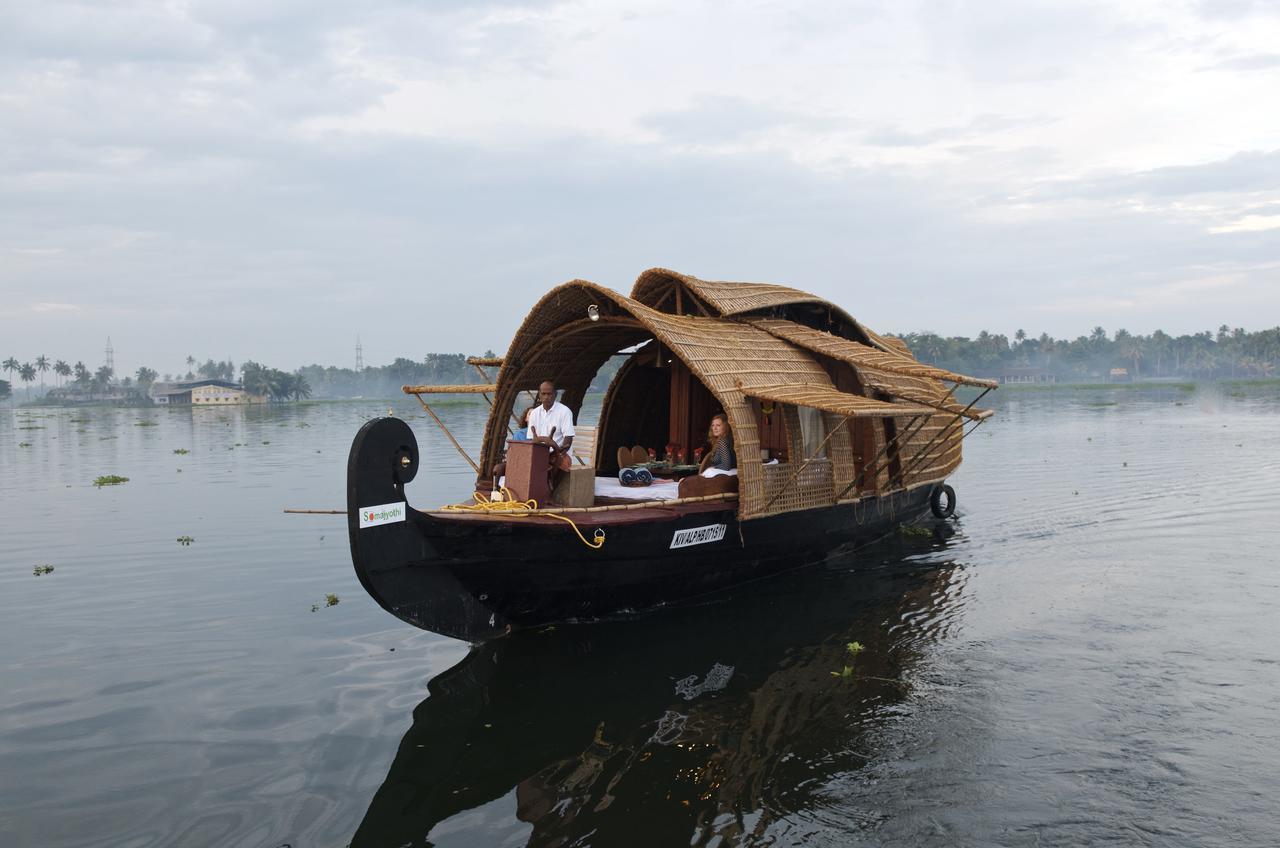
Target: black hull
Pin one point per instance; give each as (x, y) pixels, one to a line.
(472, 579)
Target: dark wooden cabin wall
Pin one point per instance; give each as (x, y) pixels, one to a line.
(691, 408)
(637, 415)
(772, 428)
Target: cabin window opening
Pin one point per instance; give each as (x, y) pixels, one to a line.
(813, 432)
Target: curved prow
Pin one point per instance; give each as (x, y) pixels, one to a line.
(395, 548)
(384, 457)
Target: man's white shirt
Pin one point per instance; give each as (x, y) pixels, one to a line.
(541, 420)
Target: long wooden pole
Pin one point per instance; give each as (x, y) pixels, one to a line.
(959, 419)
(445, 429)
(485, 375)
(917, 421)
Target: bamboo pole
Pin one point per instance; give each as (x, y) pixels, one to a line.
(959, 419)
(477, 363)
(889, 444)
(465, 389)
(445, 429)
(727, 497)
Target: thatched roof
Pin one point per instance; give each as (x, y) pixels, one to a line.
(735, 358)
(655, 288)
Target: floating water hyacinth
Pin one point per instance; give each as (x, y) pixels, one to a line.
(185, 540)
(40, 570)
(110, 480)
(330, 600)
(853, 648)
(181, 451)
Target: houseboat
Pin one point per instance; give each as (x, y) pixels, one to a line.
(840, 435)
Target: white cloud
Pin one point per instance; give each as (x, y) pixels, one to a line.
(1249, 224)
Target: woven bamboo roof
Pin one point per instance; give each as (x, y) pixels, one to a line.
(653, 287)
(860, 355)
(736, 358)
(841, 403)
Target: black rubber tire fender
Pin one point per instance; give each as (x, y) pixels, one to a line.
(935, 501)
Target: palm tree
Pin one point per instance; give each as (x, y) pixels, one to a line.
(301, 388)
(146, 376)
(62, 369)
(27, 372)
(1129, 348)
(82, 373)
(102, 378)
(11, 365)
(42, 365)
(281, 384)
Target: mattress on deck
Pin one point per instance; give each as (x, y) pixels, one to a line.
(661, 490)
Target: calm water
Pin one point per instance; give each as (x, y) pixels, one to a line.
(1089, 658)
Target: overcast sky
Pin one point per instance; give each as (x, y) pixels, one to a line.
(268, 180)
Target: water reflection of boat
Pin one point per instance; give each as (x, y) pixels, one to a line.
(841, 435)
(695, 723)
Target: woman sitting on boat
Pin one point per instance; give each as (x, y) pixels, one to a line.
(721, 456)
(719, 469)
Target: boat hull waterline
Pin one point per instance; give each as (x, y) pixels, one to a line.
(474, 577)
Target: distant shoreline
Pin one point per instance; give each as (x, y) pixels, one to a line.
(1144, 385)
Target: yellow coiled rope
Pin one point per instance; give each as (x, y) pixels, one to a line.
(509, 504)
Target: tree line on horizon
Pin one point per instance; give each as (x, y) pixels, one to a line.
(1229, 353)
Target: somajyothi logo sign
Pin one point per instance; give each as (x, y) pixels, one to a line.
(372, 516)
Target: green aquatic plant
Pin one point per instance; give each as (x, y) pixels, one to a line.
(109, 480)
(853, 649)
(181, 451)
(24, 444)
(185, 540)
(146, 424)
(42, 569)
(914, 531)
(330, 600)
(31, 427)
